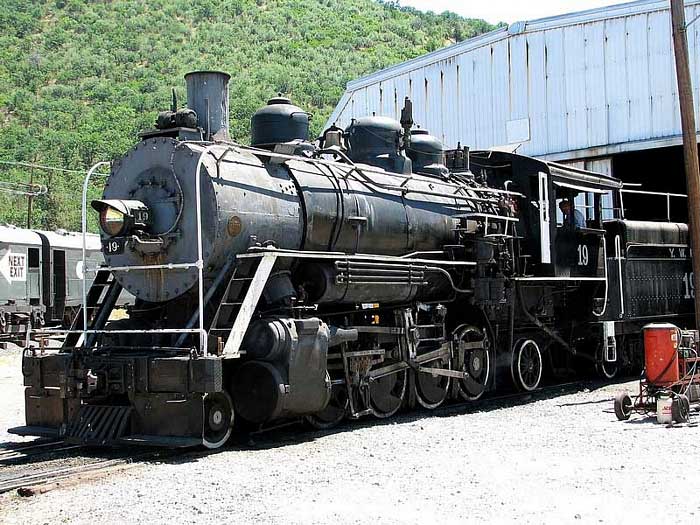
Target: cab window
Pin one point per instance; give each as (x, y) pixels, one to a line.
(578, 209)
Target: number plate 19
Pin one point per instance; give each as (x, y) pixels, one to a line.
(113, 246)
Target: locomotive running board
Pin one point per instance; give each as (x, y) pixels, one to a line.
(342, 256)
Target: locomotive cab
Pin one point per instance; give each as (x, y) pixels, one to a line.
(575, 227)
(579, 234)
(560, 234)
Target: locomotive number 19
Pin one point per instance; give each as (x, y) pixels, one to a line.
(582, 255)
(689, 285)
(113, 246)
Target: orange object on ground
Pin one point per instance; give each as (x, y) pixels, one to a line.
(661, 353)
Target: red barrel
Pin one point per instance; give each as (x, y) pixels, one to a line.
(661, 353)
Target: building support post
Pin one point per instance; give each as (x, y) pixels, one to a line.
(690, 143)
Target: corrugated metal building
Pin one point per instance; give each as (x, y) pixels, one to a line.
(596, 87)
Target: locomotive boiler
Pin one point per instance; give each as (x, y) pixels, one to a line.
(354, 274)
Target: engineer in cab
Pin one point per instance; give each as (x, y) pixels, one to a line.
(571, 222)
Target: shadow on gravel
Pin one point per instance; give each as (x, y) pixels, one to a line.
(9, 446)
(71, 453)
(297, 433)
(650, 420)
(598, 402)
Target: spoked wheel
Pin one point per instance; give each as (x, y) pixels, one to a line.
(433, 389)
(623, 406)
(527, 365)
(218, 419)
(386, 394)
(472, 346)
(334, 412)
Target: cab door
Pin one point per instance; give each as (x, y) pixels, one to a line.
(545, 219)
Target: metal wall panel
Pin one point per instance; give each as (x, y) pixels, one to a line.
(536, 109)
(638, 87)
(596, 100)
(616, 82)
(587, 82)
(557, 138)
(449, 106)
(466, 127)
(500, 103)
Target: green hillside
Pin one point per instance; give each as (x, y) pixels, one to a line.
(79, 79)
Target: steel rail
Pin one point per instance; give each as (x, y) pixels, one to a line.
(41, 478)
(35, 450)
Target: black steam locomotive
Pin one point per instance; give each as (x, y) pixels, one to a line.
(364, 272)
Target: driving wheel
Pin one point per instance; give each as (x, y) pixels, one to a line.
(432, 389)
(335, 410)
(386, 394)
(471, 348)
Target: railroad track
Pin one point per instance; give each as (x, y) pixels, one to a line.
(34, 449)
(29, 483)
(29, 480)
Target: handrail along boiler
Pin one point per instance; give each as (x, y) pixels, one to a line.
(368, 270)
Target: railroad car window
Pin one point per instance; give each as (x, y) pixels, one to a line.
(608, 206)
(574, 205)
(59, 280)
(585, 203)
(33, 276)
(33, 257)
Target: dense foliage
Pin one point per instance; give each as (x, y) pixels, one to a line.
(79, 79)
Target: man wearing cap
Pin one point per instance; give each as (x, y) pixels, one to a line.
(579, 221)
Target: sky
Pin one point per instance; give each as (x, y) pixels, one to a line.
(508, 11)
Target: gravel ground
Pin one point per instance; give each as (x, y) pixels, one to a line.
(562, 459)
(12, 404)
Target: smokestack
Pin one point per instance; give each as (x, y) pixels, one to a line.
(207, 95)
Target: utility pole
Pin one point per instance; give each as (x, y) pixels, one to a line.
(690, 143)
(30, 197)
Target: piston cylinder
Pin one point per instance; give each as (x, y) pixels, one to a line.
(287, 375)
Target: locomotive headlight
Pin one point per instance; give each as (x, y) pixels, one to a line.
(112, 221)
(120, 217)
